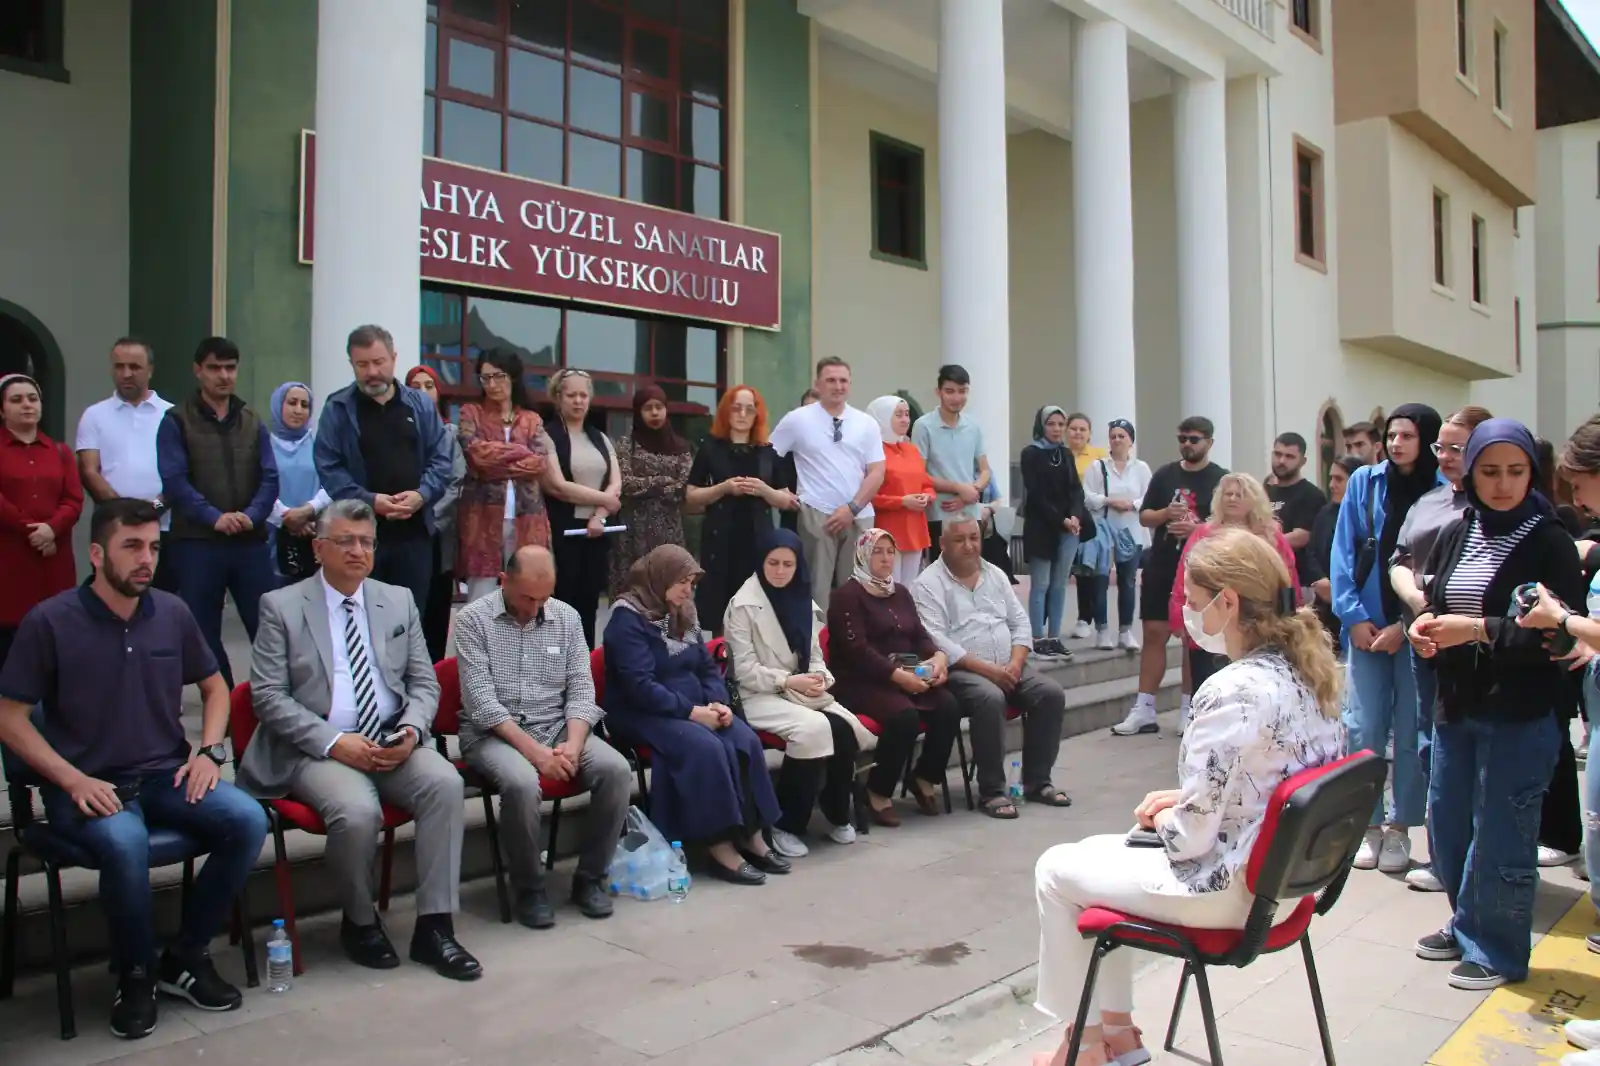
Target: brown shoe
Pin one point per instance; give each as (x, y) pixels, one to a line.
(884, 816)
(927, 802)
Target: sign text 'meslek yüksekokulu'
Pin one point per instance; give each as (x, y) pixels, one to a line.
(499, 231)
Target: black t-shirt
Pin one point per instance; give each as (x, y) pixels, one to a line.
(1296, 507)
(393, 460)
(1196, 488)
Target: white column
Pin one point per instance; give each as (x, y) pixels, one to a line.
(369, 173)
(1204, 341)
(1102, 223)
(974, 276)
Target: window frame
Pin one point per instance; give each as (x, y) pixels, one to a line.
(1442, 272)
(1500, 59)
(1480, 262)
(875, 142)
(54, 66)
(1466, 45)
(1317, 258)
(1516, 326)
(1311, 32)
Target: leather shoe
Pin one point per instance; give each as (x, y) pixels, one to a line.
(534, 910)
(590, 898)
(771, 862)
(439, 949)
(368, 945)
(744, 875)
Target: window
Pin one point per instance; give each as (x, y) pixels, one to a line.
(625, 102)
(1303, 19)
(1500, 60)
(1330, 440)
(898, 230)
(1441, 239)
(1463, 39)
(1480, 250)
(1309, 236)
(1516, 326)
(31, 38)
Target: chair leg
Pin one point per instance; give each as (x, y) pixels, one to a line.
(386, 876)
(285, 884)
(500, 890)
(246, 941)
(1177, 1005)
(1102, 948)
(555, 830)
(1316, 999)
(858, 797)
(58, 950)
(8, 933)
(966, 774)
(1208, 1013)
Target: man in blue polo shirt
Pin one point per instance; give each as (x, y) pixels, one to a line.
(951, 444)
(108, 660)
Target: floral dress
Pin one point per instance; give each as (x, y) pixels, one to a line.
(652, 502)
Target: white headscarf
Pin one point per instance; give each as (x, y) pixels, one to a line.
(883, 409)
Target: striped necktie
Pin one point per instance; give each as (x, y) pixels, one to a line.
(367, 723)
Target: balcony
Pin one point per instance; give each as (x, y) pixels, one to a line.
(1257, 14)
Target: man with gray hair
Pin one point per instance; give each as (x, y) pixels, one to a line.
(394, 456)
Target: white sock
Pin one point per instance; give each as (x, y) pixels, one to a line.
(1144, 701)
(1184, 705)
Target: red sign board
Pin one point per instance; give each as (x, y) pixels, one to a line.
(498, 231)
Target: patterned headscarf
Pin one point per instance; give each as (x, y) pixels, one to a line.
(878, 586)
(648, 582)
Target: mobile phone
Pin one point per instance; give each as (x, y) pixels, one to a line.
(393, 740)
(1524, 599)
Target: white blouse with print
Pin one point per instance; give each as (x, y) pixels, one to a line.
(1255, 725)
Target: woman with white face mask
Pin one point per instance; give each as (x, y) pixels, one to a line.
(1272, 712)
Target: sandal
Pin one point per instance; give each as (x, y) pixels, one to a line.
(927, 802)
(1050, 796)
(998, 807)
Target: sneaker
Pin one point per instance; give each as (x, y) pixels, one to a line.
(1141, 719)
(1394, 855)
(1439, 947)
(1059, 650)
(1584, 1033)
(1422, 879)
(788, 845)
(842, 834)
(1127, 641)
(133, 1011)
(195, 978)
(1367, 853)
(1106, 641)
(1475, 977)
(1581, 1058)
(1555, 856)
(1045, 648)
(1082, 631)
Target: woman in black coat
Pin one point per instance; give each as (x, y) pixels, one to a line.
(1054, 521)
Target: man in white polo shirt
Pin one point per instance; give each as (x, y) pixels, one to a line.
(838, 456)
(117, 439)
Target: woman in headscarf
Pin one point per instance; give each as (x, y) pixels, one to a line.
(40, 501)
(654, 461)
(708, 775)
(907, 492)
(502, 506)
(300, 494)
(1054, 517)
(1497, 721)
(1382, 690)
(887, 667)
(774, 633)
(442, 590)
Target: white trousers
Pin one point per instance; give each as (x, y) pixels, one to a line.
(1104, 871)
(907, 565)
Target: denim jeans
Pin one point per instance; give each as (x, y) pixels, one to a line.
(1382, 697)
(1127, 598)
(209, 570)
(228, 823)
(1489, 780)
(1047, 587)
(1591, 786)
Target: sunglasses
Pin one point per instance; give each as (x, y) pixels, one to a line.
(838, 430)
(1191, 438)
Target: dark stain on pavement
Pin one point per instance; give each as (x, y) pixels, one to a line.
(845, 957)
(944, 955)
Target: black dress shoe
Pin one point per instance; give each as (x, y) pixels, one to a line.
(744, 875)
(367, 945)
(771, 862)
(590, 898)
(534, 910)
(438, 948)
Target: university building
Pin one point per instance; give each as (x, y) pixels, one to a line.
(1136, 208)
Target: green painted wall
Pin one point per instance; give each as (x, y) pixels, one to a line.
(172, 83)
(777, 187)
(273, 82)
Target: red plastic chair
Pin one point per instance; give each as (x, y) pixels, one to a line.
(296, 815)
(637, 754)
(447, 723)
(1314, 824)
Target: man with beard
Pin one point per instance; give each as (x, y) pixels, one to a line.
(1296, 502)
(1361, 441)
(108, 660)
(383, 443)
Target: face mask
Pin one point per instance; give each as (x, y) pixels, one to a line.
(1195, 622)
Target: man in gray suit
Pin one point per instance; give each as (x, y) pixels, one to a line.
(345, 694)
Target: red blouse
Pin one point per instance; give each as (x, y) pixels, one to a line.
(38, 483)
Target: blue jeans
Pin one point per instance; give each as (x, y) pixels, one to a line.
(1488, 786)
(1591, 786)
(208, 570)
(1427, 683)
(228, 823)
(1382, 697)
(1047, 587)
(1127, 598)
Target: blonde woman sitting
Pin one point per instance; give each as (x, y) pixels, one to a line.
(774, 635)
(1270, 713)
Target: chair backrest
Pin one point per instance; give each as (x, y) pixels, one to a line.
(20, 777)
(1315, 822)
(822, 642)
(447, 720)
(241, 719)
(597, 670)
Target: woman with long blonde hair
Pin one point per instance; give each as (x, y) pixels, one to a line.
(1270, 713)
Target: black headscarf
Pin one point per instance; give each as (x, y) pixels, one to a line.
(792, 603)
(1404, 490)
(663, 441)
(1504, 431)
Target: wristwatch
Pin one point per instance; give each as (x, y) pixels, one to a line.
(856, 508)
(217, 753)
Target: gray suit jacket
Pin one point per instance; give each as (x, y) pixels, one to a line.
(291, 677)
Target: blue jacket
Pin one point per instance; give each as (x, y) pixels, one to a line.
(642, 677)
(1354, 605)
(340, 467)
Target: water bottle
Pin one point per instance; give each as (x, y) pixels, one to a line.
(280, 959)
(1014, 781)
(677, 874)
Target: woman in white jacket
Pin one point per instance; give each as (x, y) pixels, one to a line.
(774, 631)
(1112, 490)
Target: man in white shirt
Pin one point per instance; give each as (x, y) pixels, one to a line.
(117, 440)
(838, 456)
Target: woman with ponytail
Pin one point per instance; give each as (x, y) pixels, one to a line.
(1272, 712)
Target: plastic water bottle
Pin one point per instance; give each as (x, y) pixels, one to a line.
(1014, 781)
(280, 959)
(677, 874)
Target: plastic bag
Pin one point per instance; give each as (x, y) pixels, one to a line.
(639, 865)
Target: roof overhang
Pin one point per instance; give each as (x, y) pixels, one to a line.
(1567, 69)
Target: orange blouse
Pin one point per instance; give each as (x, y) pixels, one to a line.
(904, 474)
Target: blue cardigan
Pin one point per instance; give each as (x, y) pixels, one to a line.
(1365, 604)
(340, 467)
(642, 678)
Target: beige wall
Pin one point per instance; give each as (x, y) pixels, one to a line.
(1568, 250)
(1397, 59)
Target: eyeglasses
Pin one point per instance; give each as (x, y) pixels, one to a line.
(743, 409)
(345, 543)
(838, 430)
(1441, 450)
(494, 378)
(1191, 438)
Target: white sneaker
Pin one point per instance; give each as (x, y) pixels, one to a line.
(1394, 855)
(1584, 1033)
(842, 834)
(1082, 631)
(788, 845)
(1141, 719)
(1367, 853)
(1422, 879)
(1554, 856)
(1581, 1058)
(1127, 641)
(1106, 641)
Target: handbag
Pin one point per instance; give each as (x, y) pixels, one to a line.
(1367, 553)
(1125, 548)
(296, 560)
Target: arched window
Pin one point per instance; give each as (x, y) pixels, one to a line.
(1330, 440)
(1378, 437)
